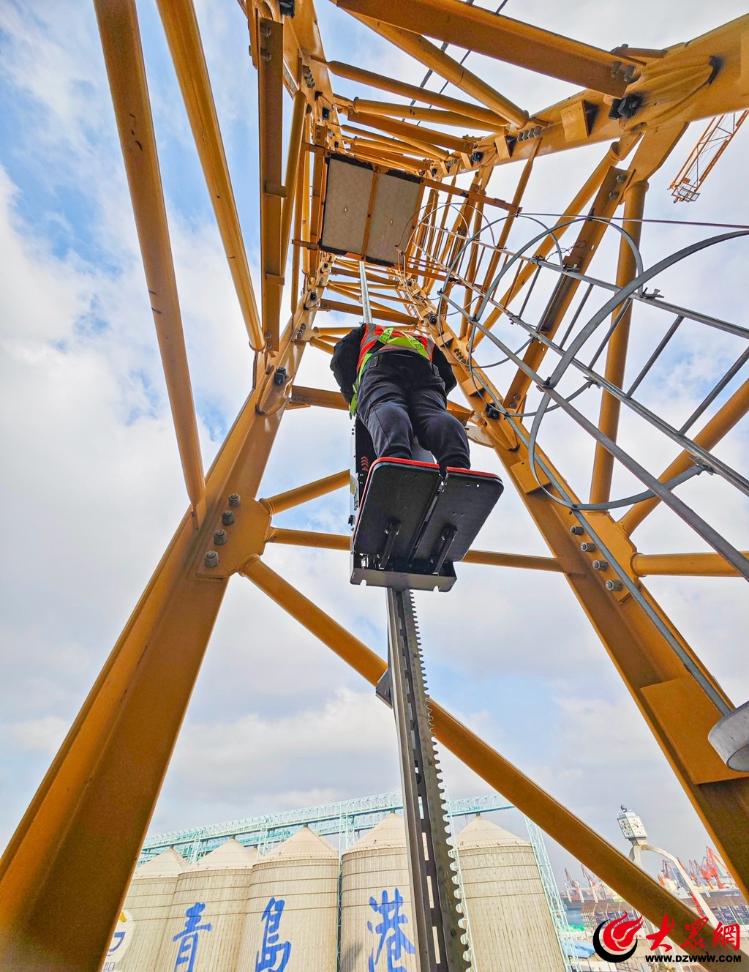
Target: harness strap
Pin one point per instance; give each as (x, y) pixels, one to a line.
(389, 339)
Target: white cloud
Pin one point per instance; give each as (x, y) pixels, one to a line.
(44, 734)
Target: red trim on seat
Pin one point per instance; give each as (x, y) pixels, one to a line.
(403, 462)
(456, 470)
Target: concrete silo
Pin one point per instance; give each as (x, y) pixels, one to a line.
(510, 922)
(376, 917)
(148, 903)
(292, 915)
(207, 916)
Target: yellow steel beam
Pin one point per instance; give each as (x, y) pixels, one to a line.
(312, 257)
(386, 315)
(456, 119)
(480, 116)
(340, 541)
(505, 39)
(293, 168)
(473, 262)
(731, 412)
(616, 353)
(123, 57)
(270, 119)
(524, 561)
(417, 135)
(301, 207)
(183, 35)
(321, 345)
(360, 138)
(386, 159)
(444, 65)
(633, 884)
(74, 851)
(309, 538)
(306, 207)
(424, 227)
(302, 42)
(700, 79)
(307, 492)
(657, 679)
(684, 565)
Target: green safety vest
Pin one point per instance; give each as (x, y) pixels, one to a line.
(390, 339)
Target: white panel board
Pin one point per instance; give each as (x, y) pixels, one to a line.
(393, 217)
(346, 202)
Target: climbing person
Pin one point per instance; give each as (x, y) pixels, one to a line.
(396, 381)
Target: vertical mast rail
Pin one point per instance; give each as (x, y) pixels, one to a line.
(434, 881)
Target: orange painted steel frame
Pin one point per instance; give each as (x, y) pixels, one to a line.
(66, 869)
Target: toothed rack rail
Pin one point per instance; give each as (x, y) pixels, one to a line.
(441, 939)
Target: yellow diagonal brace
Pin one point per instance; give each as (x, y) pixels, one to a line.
(123, 57)
(183, 35)
(505, 39)
(340, 541)
(581, 198)
(475, 113)
(684, 565)
(75, 849)
(270, 118)
(616, 353)
(309, 491)
(456, 119)
(656, 677)
(432, 57)
(292, 171)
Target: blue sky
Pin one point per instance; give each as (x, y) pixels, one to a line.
(94, 489)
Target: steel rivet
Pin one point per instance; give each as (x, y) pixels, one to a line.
(588, 547)
(235, 499)
(219, 537)
(227, 517)
(577, 530)
(601, 564)
(614, 585)
(211, 558)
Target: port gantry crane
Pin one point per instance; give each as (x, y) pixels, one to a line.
(392, 187)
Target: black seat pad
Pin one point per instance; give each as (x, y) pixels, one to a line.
(396, 489)
(414, 495)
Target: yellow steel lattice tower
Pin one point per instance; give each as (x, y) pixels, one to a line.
(448, 267)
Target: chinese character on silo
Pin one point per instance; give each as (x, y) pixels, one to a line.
(188, 938)
(274, 955)
(393, 941)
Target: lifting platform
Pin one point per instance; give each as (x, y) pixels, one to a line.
(413, 524)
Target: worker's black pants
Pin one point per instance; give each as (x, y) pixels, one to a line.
(401, 394)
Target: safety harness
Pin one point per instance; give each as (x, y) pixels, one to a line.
(389, 339)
